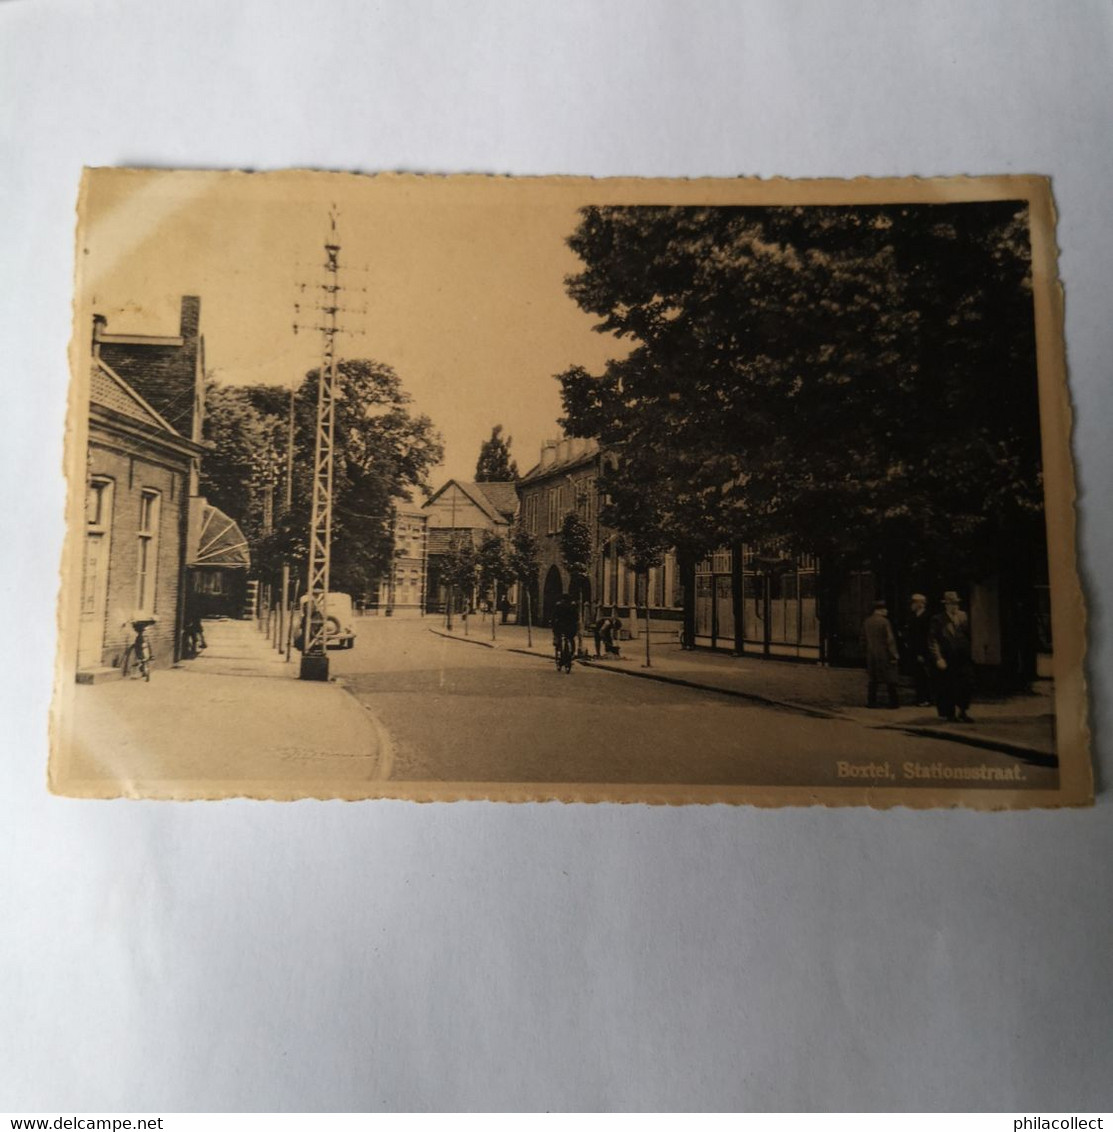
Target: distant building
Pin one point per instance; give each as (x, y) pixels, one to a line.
(401, 592)
(462, 512)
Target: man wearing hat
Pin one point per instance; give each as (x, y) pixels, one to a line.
(949, 642)
(917, 653)
(881, 655)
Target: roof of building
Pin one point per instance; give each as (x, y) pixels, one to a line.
(562, 466)
(108, 389)
(503, 496)
(498, 501)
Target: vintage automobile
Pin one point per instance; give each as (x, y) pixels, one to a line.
(339, 622)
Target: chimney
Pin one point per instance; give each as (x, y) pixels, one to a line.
(191, 317)
(548, 453)
(100, 323)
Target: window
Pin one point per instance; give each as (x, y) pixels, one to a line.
(209, 582)
(97, 503)
(98, 519)
(147, 565)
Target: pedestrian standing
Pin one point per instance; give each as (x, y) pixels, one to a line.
(917, 652)
(882, 657)
(949, 644)
(597, 632)
(611, 627)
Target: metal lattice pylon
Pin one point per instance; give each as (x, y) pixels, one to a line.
(320, 522)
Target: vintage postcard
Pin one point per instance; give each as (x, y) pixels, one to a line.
(463, 487)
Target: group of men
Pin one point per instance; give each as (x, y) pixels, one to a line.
(936, 649)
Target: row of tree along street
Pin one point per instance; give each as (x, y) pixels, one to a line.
(855, 383)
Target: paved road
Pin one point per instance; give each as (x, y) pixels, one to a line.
(457, 712)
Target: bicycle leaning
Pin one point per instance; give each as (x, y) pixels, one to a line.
(139, 656)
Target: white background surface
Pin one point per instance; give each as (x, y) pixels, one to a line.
(369, 956)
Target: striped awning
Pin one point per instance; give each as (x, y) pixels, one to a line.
(215, 540)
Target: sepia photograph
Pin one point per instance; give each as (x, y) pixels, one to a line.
(535, 489)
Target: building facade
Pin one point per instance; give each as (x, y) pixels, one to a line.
(401, 592)
(461, 512)
(152, 546)
(762, 600)
(566, 479)
(133, 554)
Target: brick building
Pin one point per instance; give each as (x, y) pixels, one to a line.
(166, 371)
(145, 523)
(133, 551)
(565, 479)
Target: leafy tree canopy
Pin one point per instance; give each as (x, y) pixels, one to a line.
(460, 565)
(574, 540)
(810, 374)
(495, 464)
(525, 553)
(495, 565)
(382, 452)
(242, 464)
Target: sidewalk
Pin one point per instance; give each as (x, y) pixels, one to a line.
(1020, 725)
(235, 721)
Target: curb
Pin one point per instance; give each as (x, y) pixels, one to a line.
(466, 640)
(1033, 755)
(1030, 754)
(753, 697)
(661, 678)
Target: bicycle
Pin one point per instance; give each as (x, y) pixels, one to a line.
(139, 653)
(564, 649)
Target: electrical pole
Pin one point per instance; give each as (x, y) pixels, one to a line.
(314, 660)
(288, 504)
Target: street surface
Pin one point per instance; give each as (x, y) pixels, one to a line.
(453, 711)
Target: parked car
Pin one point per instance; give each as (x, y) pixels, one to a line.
(339, 622)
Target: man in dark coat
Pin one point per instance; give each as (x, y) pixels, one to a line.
(917, 653)
(565, 622)
(881, 655)
(949, 643)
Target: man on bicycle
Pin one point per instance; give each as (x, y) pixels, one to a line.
(566, 623)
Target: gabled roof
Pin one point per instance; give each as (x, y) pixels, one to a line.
(492, 499)
(108, 389)
(503, 496)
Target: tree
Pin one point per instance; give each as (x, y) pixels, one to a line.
(495, 464)
(495, 570)
(574, 541)
(382, 452)
(241, 466)
(855, 382)
(524, 557)
(643, 546)
(459, 569)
